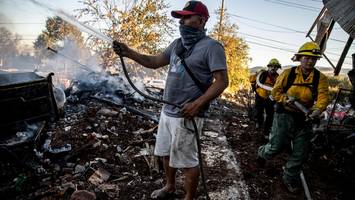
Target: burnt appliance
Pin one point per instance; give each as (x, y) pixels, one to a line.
(26, 97)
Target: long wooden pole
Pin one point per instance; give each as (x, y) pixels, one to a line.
(220, 21)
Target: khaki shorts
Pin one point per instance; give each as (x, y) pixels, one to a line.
(176, 138)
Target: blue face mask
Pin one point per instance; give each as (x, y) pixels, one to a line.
(190, 35)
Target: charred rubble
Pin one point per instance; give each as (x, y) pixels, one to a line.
(95, 139)
(101, 132)
(101, 146)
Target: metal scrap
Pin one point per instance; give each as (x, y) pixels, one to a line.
(99, 176)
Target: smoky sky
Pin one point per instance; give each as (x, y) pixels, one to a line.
(4, 20)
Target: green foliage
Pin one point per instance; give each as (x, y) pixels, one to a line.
(337, 82)
(236, 53)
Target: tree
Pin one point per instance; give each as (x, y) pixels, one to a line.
(8, 45)
(236, 52)
(57, 30)
(141, 24)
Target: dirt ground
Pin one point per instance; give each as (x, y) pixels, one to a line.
(324, 179)
(121, 144)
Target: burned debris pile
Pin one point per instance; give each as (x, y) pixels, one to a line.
(102, 145)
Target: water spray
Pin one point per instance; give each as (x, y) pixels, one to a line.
(71, 59)
(91, 31)
(72, 20)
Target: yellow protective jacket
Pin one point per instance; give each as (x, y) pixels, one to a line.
(303, 94)
(268, 81)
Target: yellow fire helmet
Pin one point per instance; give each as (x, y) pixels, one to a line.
(308, 49)
(274, 62)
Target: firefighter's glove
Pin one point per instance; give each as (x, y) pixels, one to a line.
(290, 100)
(315, 114)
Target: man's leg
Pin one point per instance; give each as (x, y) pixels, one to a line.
(269, 109)
(259, 111)
(169, 187)
(162, 149)
(169, 174)
(301, 146)
(184, 154)
(280, 136)
(191, 182)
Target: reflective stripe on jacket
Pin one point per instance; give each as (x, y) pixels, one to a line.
(268, 82)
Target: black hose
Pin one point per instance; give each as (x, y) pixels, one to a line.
(179, 106)
(140, 92)
(200, 158)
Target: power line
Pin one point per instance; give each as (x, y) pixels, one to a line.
(21, 23)
(282, 49)
(264, 29)
(23, 38)
(280, 42)
(270, 46)
(278, 26)
(297, 4)
(268, 39)
(294, 5)
(262, 22)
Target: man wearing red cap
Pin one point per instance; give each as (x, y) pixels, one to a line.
(197, 74)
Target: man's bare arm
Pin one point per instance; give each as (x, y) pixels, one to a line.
(148, 61)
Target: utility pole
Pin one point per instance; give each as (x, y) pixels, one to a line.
(220, 21)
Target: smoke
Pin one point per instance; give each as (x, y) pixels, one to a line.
(73, 21)
(72, 63)
(3, 18)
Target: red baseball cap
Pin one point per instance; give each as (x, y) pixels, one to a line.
(192, 8)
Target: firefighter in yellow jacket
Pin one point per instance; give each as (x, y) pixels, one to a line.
(262, 83)
(309, 87)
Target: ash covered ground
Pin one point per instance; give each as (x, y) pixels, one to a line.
(106, 149)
